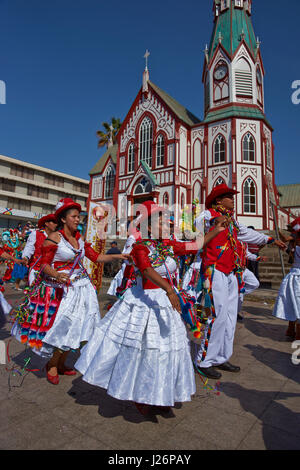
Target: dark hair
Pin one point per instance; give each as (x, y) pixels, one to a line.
(156, 214)
(251, 226)
(61, 216)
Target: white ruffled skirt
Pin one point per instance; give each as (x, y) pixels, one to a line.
(117, 281)
(140, 351)
(287, 306)
(5, 308)
(75, 320)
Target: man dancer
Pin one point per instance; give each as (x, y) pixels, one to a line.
(222, 270)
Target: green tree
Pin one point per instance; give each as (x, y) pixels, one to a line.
(109, 133)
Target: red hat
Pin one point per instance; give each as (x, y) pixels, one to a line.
(64, 204)
(46, 218)
(296, 225)
(217, 192)
(151, 208)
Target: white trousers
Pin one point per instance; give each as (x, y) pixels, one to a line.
(251, 283)
(220, 345)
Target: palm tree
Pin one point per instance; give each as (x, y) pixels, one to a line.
(110, 132)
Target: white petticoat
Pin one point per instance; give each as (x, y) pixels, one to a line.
(287, 306)
(140, 351)
(117, 281)
(75, 319)
(5, 308)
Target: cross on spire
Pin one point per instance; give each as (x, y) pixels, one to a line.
(146, 57)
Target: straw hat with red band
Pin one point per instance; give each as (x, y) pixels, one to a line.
(296, 225)
(47, 218)
(65, 204)
(218, 191)
(151, 208)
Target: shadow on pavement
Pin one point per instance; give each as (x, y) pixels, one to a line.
(109, 407)
(278, 361)
(273, 415)
(266, 330)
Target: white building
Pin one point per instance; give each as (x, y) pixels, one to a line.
(28, 192)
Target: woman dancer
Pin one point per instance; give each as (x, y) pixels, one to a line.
(32, 252)
(63, 308)
(287, 306)
(5, 307)
(140, 350)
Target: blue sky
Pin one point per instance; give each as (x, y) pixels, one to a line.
(69, 65)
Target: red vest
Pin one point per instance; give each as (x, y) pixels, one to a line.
(213, 249)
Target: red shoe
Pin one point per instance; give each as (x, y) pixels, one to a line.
(53, 379)
(67, 371)
(143, 409)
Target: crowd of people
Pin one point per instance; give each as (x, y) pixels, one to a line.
(141, 350)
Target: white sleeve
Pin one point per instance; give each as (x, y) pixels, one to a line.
(202, 221)
(247, 235)
(128, 245)
(251, 256)
(29, 249)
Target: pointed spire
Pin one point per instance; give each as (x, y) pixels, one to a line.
(258, 43)
(206, 53)
(232, 25)
(146, 73)
(147, 53)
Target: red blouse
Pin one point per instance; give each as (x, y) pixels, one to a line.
(140, 255)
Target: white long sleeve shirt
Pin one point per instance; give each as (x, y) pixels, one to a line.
(29, 249)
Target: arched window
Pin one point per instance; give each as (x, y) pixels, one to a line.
(131, 158)
(197, 191)
(160, 151)
(219, 149)
(249, 196)
(166, 200)
(219, 181)
(146, 136)
(197, 154)
(182, 201)
(143, 187)
(259, 85)
(248, 148)
(243, 78)
(109, 183)
(221, 81)
(268, 154)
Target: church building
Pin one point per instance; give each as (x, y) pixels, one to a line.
(167, 154)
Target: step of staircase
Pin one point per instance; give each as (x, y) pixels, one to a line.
(270, 271)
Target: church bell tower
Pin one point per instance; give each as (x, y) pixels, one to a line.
(239, 142)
